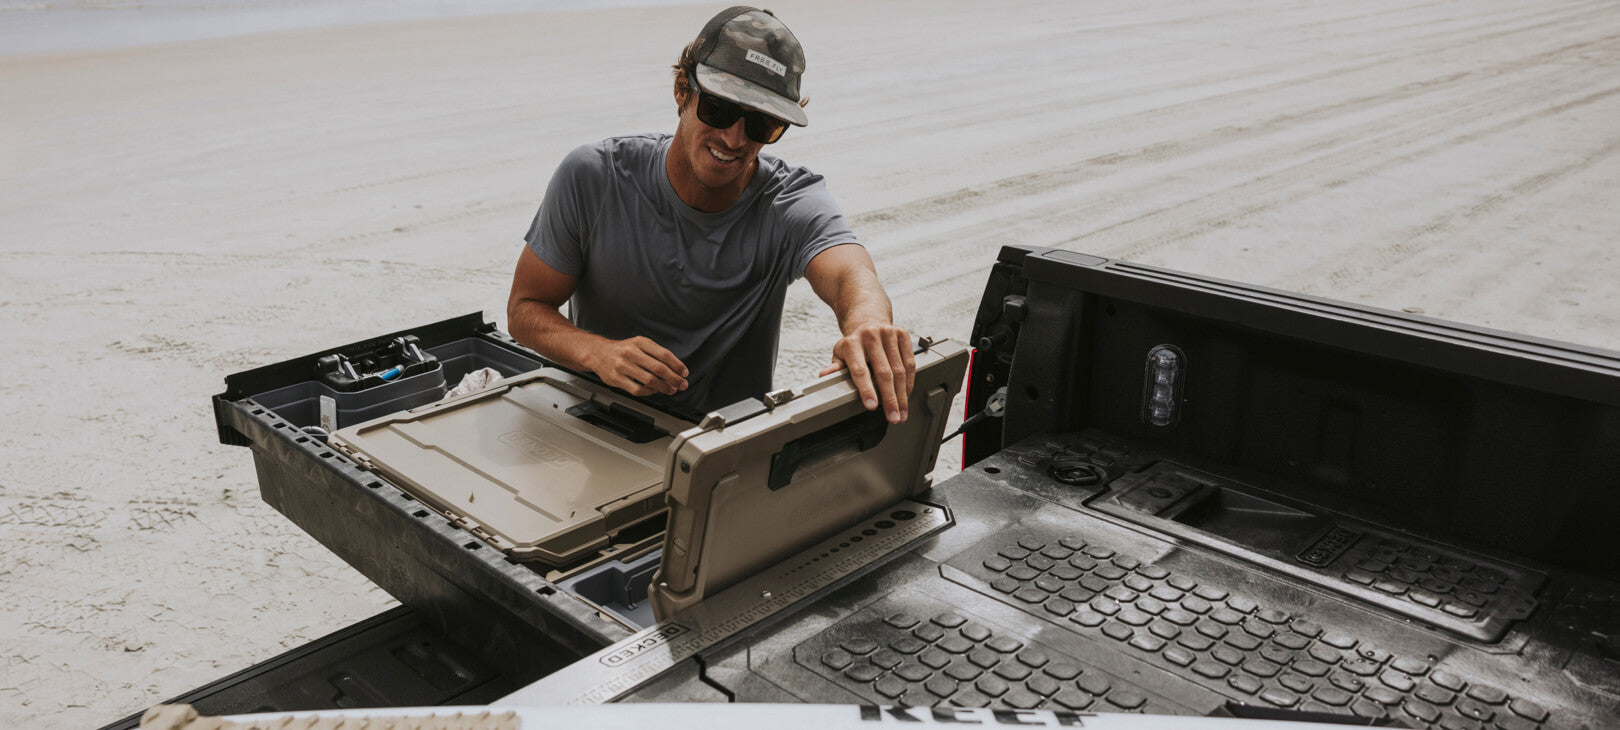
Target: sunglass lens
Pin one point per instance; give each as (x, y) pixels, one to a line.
(763, 128)
(717, 113)
(722, 113)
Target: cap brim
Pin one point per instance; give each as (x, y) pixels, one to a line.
(746, 93)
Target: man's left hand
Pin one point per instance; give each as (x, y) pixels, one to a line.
(880, 362)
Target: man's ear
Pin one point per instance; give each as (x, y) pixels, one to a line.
(682, 93)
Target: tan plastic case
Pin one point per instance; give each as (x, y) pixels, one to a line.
(744, 496)
(511, 465)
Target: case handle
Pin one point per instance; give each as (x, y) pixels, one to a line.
(637, 428)
(863, 430)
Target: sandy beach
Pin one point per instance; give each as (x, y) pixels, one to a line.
(182, 203)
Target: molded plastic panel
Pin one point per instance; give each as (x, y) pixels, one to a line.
(727, 521)
(513, 466)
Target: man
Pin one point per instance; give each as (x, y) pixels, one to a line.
(676, 251)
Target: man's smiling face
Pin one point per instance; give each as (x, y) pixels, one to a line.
(709, 167)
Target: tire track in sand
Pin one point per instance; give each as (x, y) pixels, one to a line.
(1330, 158)
(1383, 257)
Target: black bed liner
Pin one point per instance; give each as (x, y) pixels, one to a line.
(394, 658)
(1348, 511)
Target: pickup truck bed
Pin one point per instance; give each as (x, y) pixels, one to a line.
(1202, 498)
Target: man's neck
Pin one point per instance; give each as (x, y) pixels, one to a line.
(693, 192)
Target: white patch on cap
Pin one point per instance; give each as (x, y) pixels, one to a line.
(766, 61)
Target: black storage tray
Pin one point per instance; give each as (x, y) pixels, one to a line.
(462, 345)
(619, 587)
(300, 402)
(475, 595)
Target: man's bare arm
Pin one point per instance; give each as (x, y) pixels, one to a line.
(636, 365)
(876, 352)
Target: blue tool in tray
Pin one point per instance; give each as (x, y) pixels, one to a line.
(396, 359)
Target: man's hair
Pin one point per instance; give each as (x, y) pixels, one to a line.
(688, 65)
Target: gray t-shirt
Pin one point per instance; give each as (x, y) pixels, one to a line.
(707, 286)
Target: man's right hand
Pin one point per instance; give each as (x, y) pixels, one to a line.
(638, 366)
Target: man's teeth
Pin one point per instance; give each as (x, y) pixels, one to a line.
(721, 156)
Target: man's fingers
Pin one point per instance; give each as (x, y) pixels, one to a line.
(637, 381)
(858, 373)
(881, 366)
(884, 381)
(653, 384)
(903, 373)
(910, 361)
(666, 372)
(656, 375)
(639, 366)
(887, 372)
(628, 384)
(676, 367)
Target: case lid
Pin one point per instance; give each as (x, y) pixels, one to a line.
(545, 466)
(745, 495)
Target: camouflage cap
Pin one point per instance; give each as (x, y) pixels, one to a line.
(750, 57)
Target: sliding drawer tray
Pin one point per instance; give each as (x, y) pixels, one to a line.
(546, 466)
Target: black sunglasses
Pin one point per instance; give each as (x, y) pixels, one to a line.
(722, 113)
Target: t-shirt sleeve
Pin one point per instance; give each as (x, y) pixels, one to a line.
(561, 229)
(814, 220)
